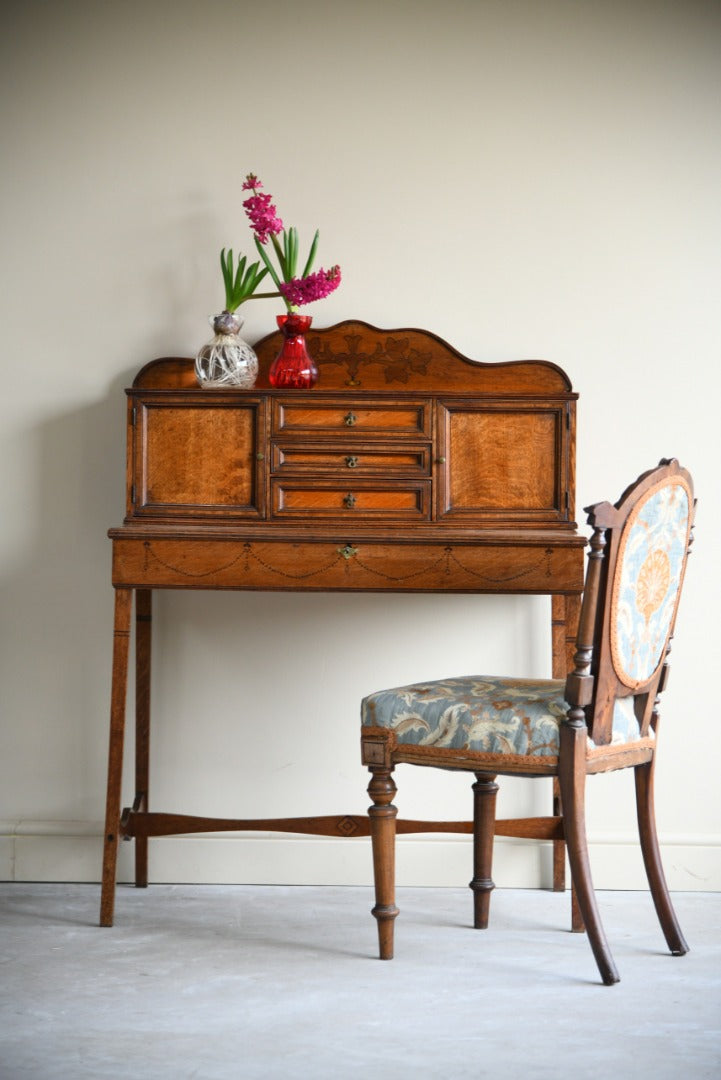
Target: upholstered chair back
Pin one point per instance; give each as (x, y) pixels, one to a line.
(636, 569)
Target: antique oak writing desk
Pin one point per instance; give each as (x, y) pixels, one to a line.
(409, 468)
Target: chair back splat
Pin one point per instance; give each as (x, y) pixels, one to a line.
(648, 537)
(603, 717)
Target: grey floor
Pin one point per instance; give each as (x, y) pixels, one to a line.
(216, 982)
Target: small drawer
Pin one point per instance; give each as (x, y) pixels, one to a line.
(352, 502)
(350, 459)
(340, 416)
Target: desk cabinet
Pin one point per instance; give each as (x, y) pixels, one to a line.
(230, 455)
(408, 468)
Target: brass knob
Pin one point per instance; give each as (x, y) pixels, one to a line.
(352, 462)
(440, 461)
(349, 500)
(351, 419)
(260, 457)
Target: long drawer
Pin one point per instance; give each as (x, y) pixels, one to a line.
(351, 458)
(361, 500)
(338, 416)
(348, 562)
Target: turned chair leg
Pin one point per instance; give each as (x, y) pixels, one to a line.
(484, 817)
(572, 776)
(652, 859)
(382, 816)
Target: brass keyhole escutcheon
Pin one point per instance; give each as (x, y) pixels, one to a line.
(351, 419)
(352, 462)
(349, 500)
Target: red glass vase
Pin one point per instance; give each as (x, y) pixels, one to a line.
(293, 367)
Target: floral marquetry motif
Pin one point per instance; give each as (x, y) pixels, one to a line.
(397, 358)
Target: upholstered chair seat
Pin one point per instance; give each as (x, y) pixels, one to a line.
(488, 715)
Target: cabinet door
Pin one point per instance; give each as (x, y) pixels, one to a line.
(504, 464)
(197, 459)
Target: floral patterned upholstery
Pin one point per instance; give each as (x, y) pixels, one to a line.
(486, 714)
(648, 579)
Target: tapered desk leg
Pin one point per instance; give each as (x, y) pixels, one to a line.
(143, 636)
(121, 642)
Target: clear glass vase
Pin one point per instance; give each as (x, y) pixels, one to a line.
(227, 361)
(293, 367)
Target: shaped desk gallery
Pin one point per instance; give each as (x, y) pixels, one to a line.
(408, 468)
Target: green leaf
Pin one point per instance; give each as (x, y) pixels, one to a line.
(293, 252)
(226, 264)
(252, 279)
(268, 264)
(239, 273)
(311, 254)
(279, 253)
(258, 278)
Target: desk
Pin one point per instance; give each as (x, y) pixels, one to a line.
(409, 468)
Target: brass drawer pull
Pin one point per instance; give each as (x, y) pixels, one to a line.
(351, 419)
(352, 462)
(348, 551)
(349, 500)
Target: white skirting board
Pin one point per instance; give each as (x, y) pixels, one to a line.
(72, 851)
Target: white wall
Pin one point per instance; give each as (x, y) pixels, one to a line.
(526, 179)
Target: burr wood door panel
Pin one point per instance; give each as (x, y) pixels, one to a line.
(503, 464)
(198, 461)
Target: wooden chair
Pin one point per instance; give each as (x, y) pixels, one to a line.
(604, 718)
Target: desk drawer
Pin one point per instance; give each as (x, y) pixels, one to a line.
(347, 561)
(351, 459)
(337, 417)
(351, 502)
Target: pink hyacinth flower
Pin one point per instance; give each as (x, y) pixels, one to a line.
(301, 291)
(263, 217)
(251, 182)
